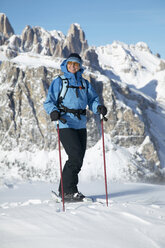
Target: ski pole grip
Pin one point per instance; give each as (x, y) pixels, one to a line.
(104, 118)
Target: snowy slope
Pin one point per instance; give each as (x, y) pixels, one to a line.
(135, 217)
(43, 165)
(33, 60)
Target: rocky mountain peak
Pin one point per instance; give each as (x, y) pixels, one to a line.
(5, 26)
(38, 40)
(75, 40)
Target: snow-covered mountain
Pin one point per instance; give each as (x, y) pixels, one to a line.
(136, 66)
(129, 79)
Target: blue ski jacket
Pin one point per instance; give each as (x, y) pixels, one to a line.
(72, 99)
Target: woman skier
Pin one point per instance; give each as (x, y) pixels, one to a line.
(67, 99)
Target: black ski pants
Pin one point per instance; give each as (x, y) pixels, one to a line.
(74, 143)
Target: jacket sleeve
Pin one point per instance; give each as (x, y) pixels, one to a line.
(51, 102)
(93, 99)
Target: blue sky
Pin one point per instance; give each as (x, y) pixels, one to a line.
(103, 21)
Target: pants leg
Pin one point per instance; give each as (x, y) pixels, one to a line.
(74, 143)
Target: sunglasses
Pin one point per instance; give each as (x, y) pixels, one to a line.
(73, 63)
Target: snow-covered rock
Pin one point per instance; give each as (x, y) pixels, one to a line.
(128, 78)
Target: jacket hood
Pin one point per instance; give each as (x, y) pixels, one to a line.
(69, 74)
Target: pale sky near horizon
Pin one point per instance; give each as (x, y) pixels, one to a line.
(103, 21)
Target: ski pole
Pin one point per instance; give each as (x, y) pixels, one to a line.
(105, 174)
(59, 149)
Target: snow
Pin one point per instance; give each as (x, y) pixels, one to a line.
(2, 56)
(44, 165)
(57, 34)
(36, 60)
(33, 60)
(135, 217)
(134, 65)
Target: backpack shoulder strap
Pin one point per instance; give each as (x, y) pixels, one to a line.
(64, 88)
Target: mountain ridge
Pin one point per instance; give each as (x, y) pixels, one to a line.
(128, 77)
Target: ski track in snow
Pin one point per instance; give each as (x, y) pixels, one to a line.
(135, 217)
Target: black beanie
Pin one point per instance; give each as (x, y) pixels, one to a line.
(75, 55)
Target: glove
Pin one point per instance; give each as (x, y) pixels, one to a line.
(102, 110)
(55, 115)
